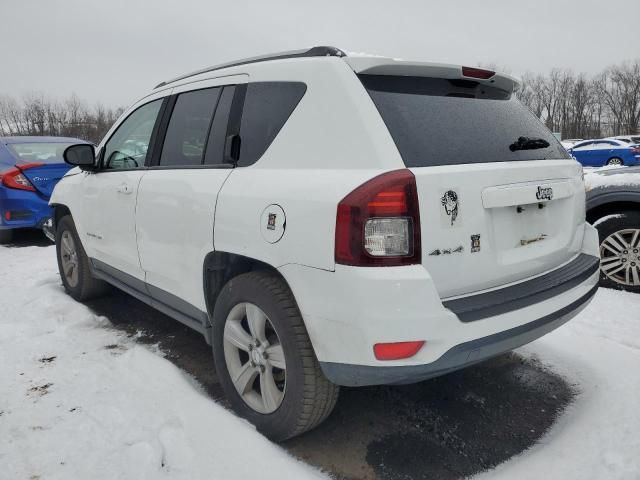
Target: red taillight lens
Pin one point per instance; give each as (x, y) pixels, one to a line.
(378, 224)
(397, 350)
(635, 149)
(477, 73)
(14, 177)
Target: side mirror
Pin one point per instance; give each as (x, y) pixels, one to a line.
(80, 155)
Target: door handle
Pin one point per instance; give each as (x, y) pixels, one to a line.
(124, 188)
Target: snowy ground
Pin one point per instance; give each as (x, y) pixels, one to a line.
(81, 400)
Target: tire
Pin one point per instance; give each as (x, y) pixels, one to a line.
(6, 236)
(620, 233)
(306, 396)
(615, 161)
(80, 284)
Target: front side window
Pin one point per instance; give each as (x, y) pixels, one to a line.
(186, 138)
(128, 146)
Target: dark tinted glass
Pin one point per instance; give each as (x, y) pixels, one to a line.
(267, 107)
(218, 133)
(445, 122)
(188, 130)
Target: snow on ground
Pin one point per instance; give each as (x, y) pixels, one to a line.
(80, 400)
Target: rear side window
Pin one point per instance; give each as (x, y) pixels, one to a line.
(267, 107)
(186, 138)
(437, 121)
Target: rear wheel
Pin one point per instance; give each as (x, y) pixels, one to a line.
(620, 250)
(615, 161)
(6, 236)
(264, 358)
(73, 263)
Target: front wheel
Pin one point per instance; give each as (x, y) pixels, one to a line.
(73, 263)
(620, 250)
(264, 358)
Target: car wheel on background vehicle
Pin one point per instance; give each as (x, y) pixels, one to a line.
(620, 250)
(615, 161)
(6, 236)
(264, 358)
(73, 263)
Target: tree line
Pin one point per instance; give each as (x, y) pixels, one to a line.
(37, 114)
(575, 105)
(579, 106)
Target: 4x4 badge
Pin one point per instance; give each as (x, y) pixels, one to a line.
(450, 203)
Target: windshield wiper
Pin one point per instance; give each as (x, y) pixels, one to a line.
(526, 143)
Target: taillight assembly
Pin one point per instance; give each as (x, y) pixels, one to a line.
(14, 177)
(378, 224)
(635, 149)
(481, 73)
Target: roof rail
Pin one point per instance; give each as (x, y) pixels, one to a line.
(321, 51)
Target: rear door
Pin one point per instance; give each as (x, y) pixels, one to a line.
(177, 197)
(495, 207)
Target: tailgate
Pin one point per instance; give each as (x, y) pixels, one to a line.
(487, 225)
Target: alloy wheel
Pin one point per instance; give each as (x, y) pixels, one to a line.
(620, 257)
(254, 358)
(69, 258)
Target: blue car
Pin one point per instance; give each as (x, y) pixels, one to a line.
(606, 151)
(29, 169)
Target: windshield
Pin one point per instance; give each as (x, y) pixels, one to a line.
(39, 152)
(436, 121)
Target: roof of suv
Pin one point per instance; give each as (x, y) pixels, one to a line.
(372, 65)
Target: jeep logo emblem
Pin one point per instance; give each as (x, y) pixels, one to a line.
(544, 193)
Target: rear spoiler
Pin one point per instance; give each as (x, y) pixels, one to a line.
(391, 66)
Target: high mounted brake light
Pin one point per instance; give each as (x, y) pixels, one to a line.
(378, 224)
(477, 73)
(14, 177)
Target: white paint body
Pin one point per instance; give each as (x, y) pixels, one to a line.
(334, 141)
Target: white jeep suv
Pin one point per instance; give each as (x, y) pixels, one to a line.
(329, 220)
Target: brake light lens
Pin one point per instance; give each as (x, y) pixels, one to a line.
(378, 224)
(477, 73)
(14, 177)
(635, 149)
(397, 350)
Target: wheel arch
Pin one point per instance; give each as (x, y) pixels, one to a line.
(220, 267)
(59, 210)
(600, 210)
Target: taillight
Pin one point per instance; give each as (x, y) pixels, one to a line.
(636, 149)
(378, 224)
(14, 177)
(477, 73)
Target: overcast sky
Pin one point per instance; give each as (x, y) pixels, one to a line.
(114, 51)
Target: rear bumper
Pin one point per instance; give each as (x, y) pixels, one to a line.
(360, 307)
(460, 356)
(27, 209)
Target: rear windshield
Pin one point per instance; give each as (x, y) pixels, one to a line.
(39, 152)
(437, 121)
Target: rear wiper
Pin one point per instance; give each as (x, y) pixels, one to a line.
(526, 143)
